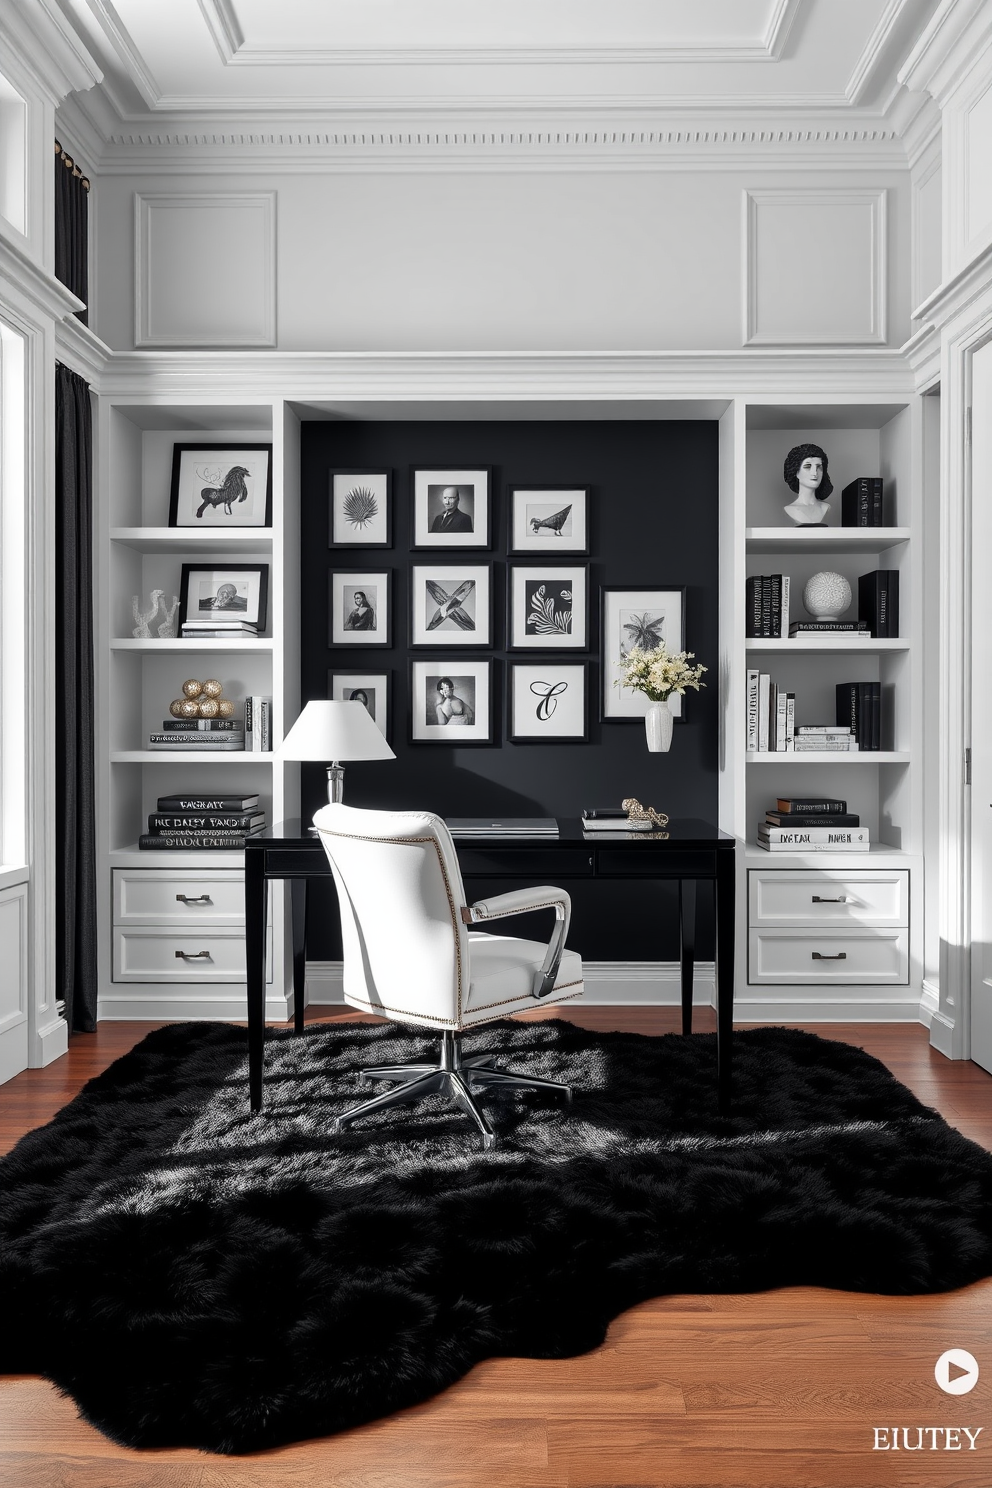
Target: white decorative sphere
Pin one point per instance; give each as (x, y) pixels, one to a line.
(827, 595)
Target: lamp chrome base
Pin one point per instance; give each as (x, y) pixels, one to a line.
(456, 1077)
(335, 784)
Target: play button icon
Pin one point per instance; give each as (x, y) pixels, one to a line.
(956, 1372)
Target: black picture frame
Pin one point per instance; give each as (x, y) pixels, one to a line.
(378, 482)
(423, 573)
(253, 612)
(364, 580)
(342, 680)
(517, 674)
(425, 674)
(517, 577)
(666, 596)
(215, 471)
(521, 541)
(475, 483)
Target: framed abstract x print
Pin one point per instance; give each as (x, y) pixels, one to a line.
(451, 604)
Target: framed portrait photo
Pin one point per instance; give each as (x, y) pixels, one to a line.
(548, 608)
(451, 508)
(371, 689)
(548, 519)
(224, 592)
(547, 702)
(642, 618)
(451, 604)
(451, 701)
(360, 607)
(360, 509)
(221, 485)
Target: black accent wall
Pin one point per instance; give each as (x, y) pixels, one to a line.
(653, 517)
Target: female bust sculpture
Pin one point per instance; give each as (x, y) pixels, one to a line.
(805, 473)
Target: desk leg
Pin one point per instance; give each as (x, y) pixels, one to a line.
(687, 946)
(298, 889)
(255, 970)
(726, 925)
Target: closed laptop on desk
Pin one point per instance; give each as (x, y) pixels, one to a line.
(507, 826)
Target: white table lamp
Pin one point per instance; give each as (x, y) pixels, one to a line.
(335, 731)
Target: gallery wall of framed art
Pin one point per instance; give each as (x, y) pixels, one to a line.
(502, 561)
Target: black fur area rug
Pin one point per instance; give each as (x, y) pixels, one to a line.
(194, 1276)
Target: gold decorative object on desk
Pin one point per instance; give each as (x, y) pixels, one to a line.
(638, 813)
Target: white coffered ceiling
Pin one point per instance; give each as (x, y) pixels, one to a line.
(209, 64)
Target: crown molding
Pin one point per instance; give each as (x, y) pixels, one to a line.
(47, 48)
(922, 354)
(959, 292)
(41, 290)
(948, 47)
(325, 381)
(81, 350)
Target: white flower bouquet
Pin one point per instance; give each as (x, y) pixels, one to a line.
(659, 672)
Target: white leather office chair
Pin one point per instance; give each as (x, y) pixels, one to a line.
(409, 954)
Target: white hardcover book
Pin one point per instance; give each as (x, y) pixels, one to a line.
(811, 847)
(764, 687)
(783, 629)
(831, 836)
(265, 743)
(752, 710)
(781, 720)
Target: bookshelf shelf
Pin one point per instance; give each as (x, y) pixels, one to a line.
(814, 540)
(188, 644)
(828, 757)
(827, 643)
(211, 758)
(192, 539)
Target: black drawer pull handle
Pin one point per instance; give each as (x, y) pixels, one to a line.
(840, 956)
(196, 955)
(200, 899)
(842, 899)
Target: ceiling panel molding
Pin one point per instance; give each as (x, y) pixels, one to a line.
(134, 63)
(222, 23)
(868, 61)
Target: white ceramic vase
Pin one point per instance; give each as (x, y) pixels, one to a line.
(658, 723)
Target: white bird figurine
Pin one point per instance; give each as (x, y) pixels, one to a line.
(166, 630)
(141, 631)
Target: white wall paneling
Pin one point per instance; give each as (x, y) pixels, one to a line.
(815, 267)
(977, 120)
(925, 212)
(205, 269)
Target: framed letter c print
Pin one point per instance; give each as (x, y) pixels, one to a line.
(546, 701)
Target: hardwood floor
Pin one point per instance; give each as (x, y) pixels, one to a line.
(778, 1389)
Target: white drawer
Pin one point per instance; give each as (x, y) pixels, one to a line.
(836, 898)
(149, 955)
(178, 896)
(829, 957)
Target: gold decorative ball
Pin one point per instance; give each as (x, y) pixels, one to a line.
(212, 688)
(192, 688)
(208, 707)
(225, 708)
(176, 707)
(189, 708)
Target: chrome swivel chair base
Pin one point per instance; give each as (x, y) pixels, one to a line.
(456, 1077)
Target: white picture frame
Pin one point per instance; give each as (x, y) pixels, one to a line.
(548, 607)
(451, 604)
(465, 705)
(469, 511)
(360, 605)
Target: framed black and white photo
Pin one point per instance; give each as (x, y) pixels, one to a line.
(546, 701)
(360, 607)
(451, 701)
(360, 509)
(223, 592)
(643, 618)
(451, 508)
(451, 604)
(548, 519)
(548, 608)
(221, 485)
(371, 689)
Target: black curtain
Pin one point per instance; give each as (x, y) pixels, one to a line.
(75, 811)
(72, 191)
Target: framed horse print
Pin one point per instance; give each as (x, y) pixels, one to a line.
(221, 485)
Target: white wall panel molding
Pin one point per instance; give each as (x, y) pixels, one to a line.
(925, 223)
(969, 285)
(815, 267)
(22, 275)
(871, 55)
(191, 288)
(462, 380)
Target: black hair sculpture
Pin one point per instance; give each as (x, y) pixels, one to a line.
(795, 458)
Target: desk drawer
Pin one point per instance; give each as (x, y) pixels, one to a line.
(834, 898)
(539, 865)
(656, 862)
(144, 896)
(830, 957)
(149, 955)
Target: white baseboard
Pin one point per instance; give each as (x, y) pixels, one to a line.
(823, 1008)
(929, 1003)
(214, 1004)
(625, 983)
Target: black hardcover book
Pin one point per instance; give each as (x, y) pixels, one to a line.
(766, 605)
(202, 801)
(878, 602)
(192, 841)
(848, 707)
(861, 502)
(753, 592)
(210, 821)
(876, 714)
(203, 726)
(775, 584)
(811, 805)
(810, 819)
(826, 627)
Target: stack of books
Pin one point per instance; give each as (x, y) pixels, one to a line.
(859, 709)
(861, 503)
(258, 723)
(199, 733)
(611, 819)
(202, 821)
(858, 628)
(828, 738)
(807, 824)
(223, 630)
(767, 599)
(878, 602)
(771, 714)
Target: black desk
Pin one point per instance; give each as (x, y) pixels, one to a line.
(692, 850)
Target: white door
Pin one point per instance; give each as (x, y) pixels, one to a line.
(981, 709)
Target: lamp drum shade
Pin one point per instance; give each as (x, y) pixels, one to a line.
(328, 729)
